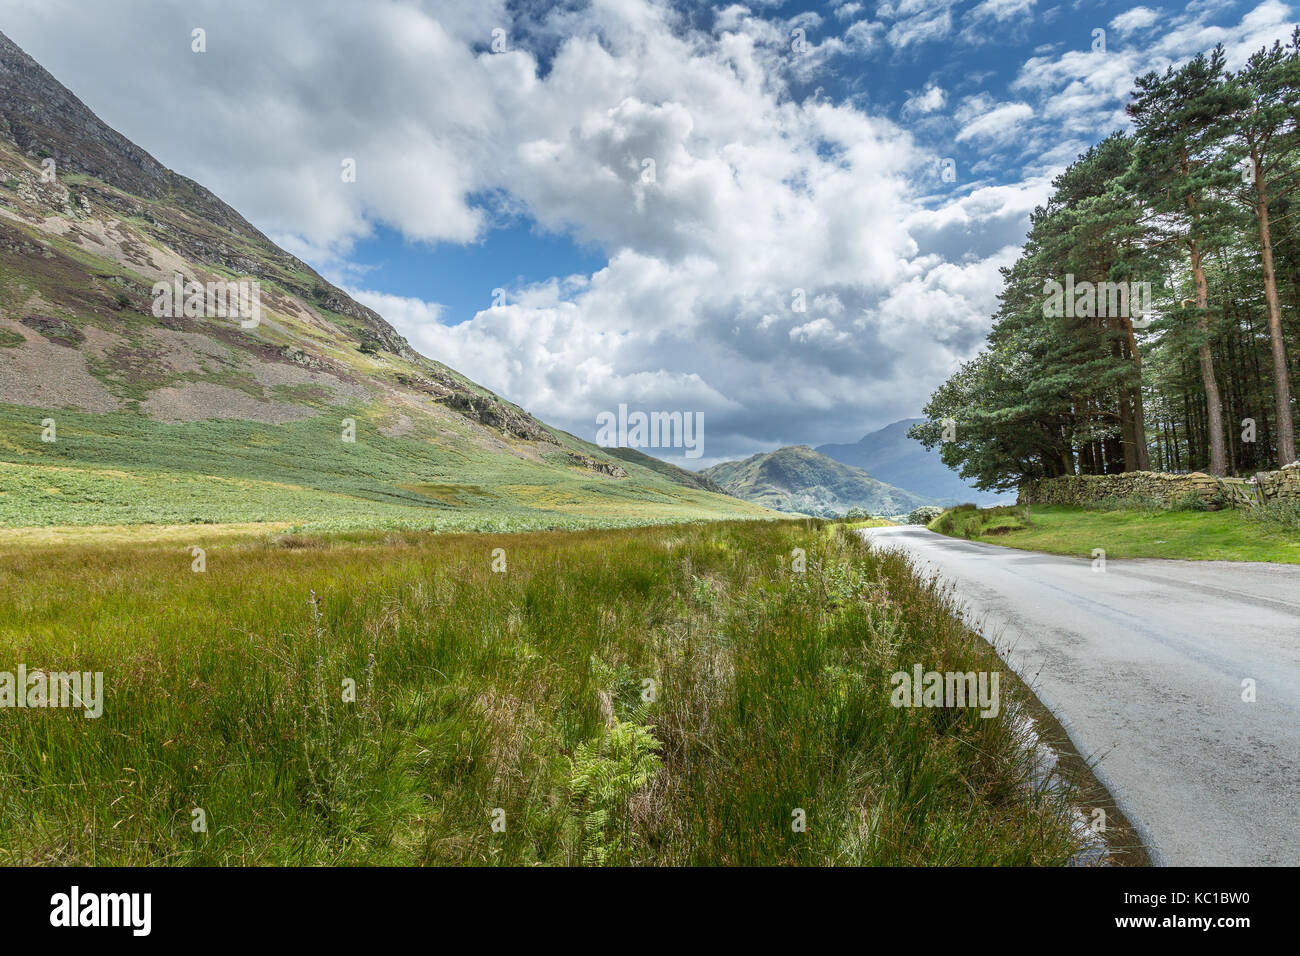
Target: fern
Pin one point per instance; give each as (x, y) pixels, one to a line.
(603, 776)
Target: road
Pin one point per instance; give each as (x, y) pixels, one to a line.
(1143, 664)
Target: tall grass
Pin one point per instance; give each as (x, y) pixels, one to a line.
(667, 695)
(1278, 515)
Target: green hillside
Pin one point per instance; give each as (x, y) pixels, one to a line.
(116, 411)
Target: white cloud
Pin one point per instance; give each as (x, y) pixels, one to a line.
(916, 21)
(864, 35)
(1000, 10)
(755, 193)
(995, 19)
(1000, 123)
(1131, 21)
(1081, 94)
(928, 100)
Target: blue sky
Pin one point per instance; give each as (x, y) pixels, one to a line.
(962, 54)
(797, 268)
(514, 252)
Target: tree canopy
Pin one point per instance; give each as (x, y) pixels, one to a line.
(1153, 317)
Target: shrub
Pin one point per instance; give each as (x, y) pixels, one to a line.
(1189, 502)
(1278, 514)
(924, 515)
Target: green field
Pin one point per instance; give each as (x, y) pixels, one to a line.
(518, 697)
(1133, 530)
(126, 469)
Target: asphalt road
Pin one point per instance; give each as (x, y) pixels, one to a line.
(1143, 664)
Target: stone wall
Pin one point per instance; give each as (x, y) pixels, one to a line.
(1284, 484)
(1081, 489)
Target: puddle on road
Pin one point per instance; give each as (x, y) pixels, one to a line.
(1058, 766)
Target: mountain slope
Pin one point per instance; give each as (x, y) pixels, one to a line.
(893, 457)
(801, 480)
(313, 410)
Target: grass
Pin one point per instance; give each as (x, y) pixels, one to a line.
(856, 523)
(125, 469)
(1133, 529)
(518, 698)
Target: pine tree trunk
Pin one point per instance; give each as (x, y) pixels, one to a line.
(1281, 371)
(1214, 406)
(1125, 410)
(1139, 421)
(1265, 438)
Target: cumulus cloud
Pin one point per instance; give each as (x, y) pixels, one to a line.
(928, 100)
(757, 193)
(1138, 18)
(847, 10)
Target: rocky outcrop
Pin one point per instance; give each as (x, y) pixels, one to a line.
(497, 414)
(588, 463)
(58, 331)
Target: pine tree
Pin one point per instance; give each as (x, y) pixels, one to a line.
(1264, 106)
(1178, 120)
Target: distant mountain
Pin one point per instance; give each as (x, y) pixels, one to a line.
(801, 480)
(893, 457)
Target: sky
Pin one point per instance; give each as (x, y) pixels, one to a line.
(788, 217)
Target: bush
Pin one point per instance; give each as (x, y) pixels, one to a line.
(971, 522)
(1278, 514)
(1189, 502)
(924, 515)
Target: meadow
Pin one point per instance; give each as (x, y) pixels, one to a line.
(125, 469)
(664, 695)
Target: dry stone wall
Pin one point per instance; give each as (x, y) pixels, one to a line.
(1082, 489)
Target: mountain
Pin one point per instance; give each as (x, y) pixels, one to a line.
(893, 457)
(801, 480)
(134, 390)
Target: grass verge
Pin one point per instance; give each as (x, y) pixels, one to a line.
(1132, 530)
(666, 695)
